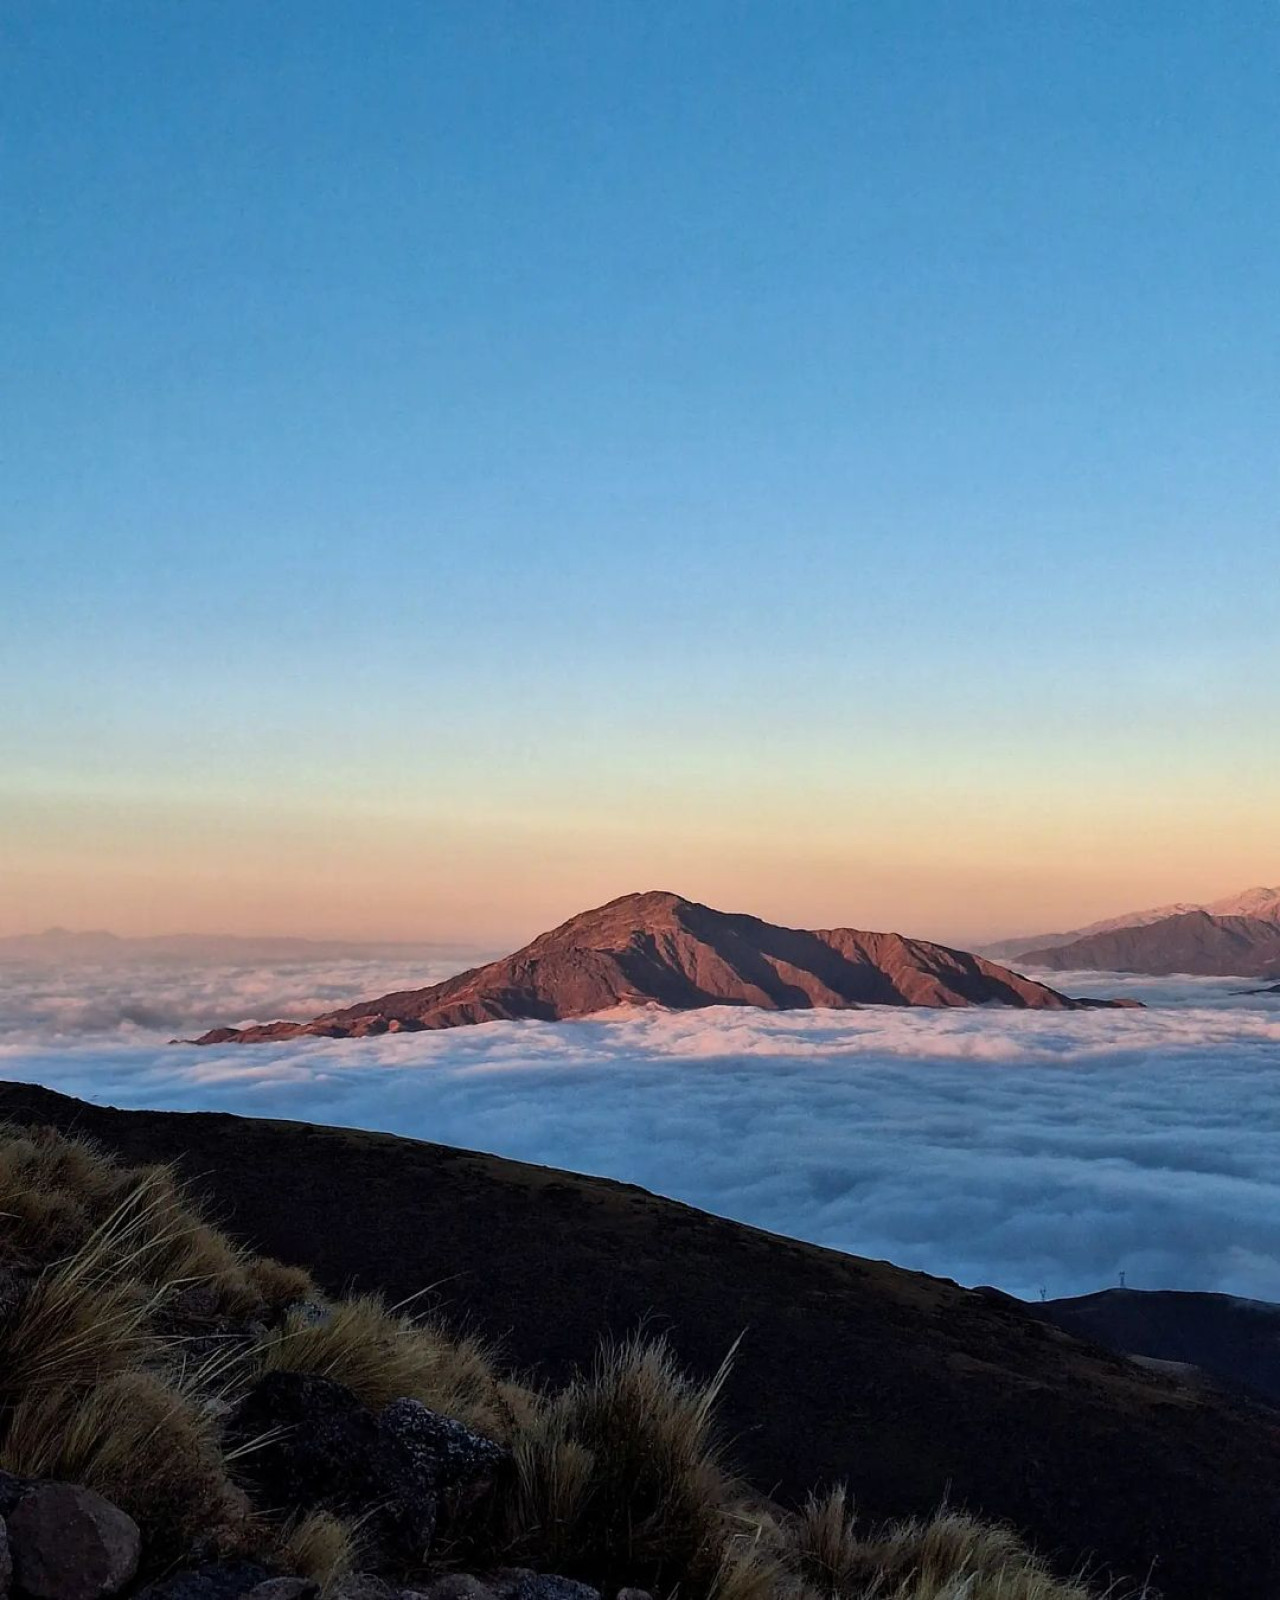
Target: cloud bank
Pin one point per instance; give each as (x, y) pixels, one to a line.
(134, 1001)
(1025, 1149)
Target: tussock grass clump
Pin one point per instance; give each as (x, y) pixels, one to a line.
(618, 1476)
(85, 1316)
(382, 1355)
(955, 1557)
(824, 1544)
(752, 1567)
(63, 1196)
(279, 1286)
(321, 1546)
(53, 1189)
(92, 1389)
(143, 1445)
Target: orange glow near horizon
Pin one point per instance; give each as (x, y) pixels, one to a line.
(952, 867)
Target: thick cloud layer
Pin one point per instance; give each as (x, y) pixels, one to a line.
(1025, 1149)
(132, 1000)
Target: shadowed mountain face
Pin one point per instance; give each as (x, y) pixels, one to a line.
(657, 949)
(908, 1387)
(1194, 942)
(1235, 1341)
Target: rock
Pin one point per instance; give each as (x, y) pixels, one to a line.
(215, 1580)
(433, 1459)
(321, 1444)
(458, 1586)
(12, 1490)
(6, 1562)
(437, 1447)
(362, 1586)
(325, 1450)
(310, 1313)
(69, 1543)
(198, 1302)
(633, 1594)
(289, 1588)
(504, 1581)
(550, 1586)
(522, 1583)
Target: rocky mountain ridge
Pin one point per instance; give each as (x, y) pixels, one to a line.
(1260, 903)
(1194, 942)
(660, 949)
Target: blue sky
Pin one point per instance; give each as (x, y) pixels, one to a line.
(815, 455)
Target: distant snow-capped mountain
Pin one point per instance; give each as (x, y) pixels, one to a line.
(1260, 904)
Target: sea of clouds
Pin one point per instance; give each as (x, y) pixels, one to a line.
(1032, 1150)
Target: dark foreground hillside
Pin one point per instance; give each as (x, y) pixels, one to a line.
(908, 1386)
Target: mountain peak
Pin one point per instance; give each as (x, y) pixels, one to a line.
(646, 900)
(656, 948)
(646, 910)
(1257, 902)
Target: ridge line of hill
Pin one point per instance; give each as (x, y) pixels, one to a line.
(657, 948)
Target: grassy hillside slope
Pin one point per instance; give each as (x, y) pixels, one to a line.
(907, 1386)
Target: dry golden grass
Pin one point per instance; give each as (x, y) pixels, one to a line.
(752, 1569)
(87, 1315)
(824, 1544)
(279, 1286)
(617, 1476)
(51, 1187)
(954, 1557)
(321, 1547)
(381, 1356)
(140, 1443)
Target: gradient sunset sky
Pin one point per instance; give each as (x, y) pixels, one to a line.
(464, 461)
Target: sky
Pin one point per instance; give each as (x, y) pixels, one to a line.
(1027, 1149)
(460, 462)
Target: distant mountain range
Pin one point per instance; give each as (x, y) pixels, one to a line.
(1237, 936)
(63, 946)
(1194, 942)
(660, 949)
(1257, 904)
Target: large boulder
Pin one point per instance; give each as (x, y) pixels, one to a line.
(434, 1462)
(523, 1583)
(316, 1447)
(12, 1490)
(314, 1444)
(549, 1586)
(69, 1543)
(454, 1586)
